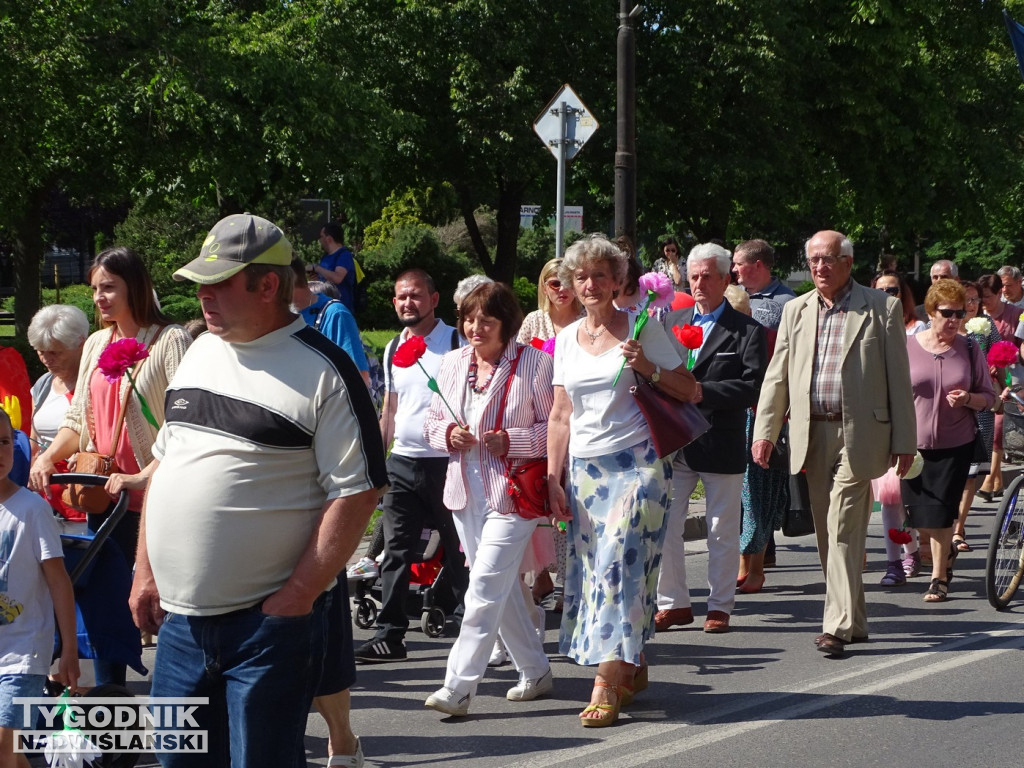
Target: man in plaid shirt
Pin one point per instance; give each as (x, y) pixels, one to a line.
(840, 372)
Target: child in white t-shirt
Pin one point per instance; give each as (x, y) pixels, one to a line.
(33, 586)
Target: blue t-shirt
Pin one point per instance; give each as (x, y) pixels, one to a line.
(338, 325)
(342, 258)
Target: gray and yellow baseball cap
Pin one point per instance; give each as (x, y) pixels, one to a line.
(234, 243)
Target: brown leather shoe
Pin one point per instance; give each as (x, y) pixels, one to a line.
(672, 617)
(852, 641)
(830, 645)
(716, 623)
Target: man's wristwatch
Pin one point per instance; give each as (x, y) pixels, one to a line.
(656, 376)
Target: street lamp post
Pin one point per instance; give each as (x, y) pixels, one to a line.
(625, 124)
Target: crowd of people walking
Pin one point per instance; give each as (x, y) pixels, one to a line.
(253, 456)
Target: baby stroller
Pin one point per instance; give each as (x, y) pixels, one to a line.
(102, 582)
(427, 581)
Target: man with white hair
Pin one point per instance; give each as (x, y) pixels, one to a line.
(729, 363)
(841, 376)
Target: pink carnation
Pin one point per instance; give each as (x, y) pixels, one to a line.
(120, 356)
(1002, 354)
(659, 284)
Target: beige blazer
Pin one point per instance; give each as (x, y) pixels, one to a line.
(878, 402)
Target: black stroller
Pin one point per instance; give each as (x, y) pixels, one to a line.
(428, 582)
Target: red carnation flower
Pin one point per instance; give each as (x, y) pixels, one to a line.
(1002, 354)
(899, 536)
(119, 357)
(690, 336)
(409, 352)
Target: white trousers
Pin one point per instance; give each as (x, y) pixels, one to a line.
(722, 499)
(494, 546)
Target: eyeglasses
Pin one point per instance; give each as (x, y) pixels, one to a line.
(948, 313)
(553, 283)
(892, 290)
(823, 261)
(973, 300)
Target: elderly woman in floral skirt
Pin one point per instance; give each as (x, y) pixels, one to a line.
(618, 487)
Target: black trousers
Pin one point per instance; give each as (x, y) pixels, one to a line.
(414, 503)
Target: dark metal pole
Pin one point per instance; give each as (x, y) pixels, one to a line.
(625, 126)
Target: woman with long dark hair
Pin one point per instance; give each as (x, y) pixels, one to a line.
(126, 308)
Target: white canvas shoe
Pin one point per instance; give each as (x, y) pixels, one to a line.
(528, 690)
(449, 702)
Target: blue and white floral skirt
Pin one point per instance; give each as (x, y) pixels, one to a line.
(619, 503)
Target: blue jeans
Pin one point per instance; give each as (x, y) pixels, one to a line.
(260, 673)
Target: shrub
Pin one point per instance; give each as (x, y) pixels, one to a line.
(412, 246)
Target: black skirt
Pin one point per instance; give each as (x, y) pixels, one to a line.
(932, 498)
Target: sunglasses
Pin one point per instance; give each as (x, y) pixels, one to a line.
(556, 284)
(892, 290)
(948, 313)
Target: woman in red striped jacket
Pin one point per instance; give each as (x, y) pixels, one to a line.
(474, 381)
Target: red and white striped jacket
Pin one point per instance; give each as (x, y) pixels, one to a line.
(526, 419)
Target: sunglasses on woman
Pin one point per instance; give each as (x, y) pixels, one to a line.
(556, 284)
(892, 290)
(948, 313)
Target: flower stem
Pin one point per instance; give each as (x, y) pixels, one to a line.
(641, 321)
(142, 401)
(432, 386)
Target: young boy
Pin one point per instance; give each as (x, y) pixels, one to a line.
(33, 586)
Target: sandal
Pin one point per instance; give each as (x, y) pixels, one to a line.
(950, 560)
(640, 683)
(609, 713)
(960, 544)
(937, 591)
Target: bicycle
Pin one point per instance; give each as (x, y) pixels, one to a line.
(1004, 566)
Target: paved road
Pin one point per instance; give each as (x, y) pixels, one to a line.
(938, 685)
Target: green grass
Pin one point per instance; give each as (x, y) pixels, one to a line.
(378, 340)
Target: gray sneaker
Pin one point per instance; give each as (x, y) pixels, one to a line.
(912, 565)
(528, 690)
(449, 702)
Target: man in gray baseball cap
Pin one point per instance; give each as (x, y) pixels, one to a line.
(267, 469)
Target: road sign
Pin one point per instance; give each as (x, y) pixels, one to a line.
(580, 123)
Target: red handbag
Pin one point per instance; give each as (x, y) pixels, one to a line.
(527, 480)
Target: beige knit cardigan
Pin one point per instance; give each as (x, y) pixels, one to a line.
(152, 377)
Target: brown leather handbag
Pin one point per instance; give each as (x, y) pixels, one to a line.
(92, 499)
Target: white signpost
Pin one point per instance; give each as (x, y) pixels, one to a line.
(564, 126)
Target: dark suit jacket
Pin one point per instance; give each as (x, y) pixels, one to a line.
(730, 370)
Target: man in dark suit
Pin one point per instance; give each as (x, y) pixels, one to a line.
(729, 365)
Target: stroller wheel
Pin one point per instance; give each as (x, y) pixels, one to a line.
(366, 613)
(432, 622)
(110, 759)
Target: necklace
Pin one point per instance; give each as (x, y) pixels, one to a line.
(471, 376)
(593, 336)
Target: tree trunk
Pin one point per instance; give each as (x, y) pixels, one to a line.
(510, 200)
(28, 255)
(469, 217)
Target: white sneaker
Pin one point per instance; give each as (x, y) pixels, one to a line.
(448, 701)
(528, 690)
(366, 570)
(499, 656)
(349, 761)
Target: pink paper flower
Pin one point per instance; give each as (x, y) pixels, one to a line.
(543, 345)
(660, 284)
(118, 358)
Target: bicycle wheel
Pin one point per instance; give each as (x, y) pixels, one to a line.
(1004, 567)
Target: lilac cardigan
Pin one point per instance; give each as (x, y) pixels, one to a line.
(526, 418)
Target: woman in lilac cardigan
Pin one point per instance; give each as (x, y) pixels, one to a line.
(472, 381)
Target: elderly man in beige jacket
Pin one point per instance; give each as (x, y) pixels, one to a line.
(840, 372)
